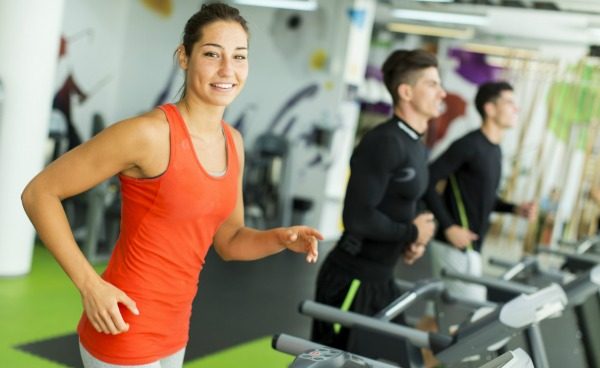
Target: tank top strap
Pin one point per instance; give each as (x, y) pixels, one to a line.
(231, 149)
(177, 130)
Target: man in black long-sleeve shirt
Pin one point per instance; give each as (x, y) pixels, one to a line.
(472, 168)
(388, 177)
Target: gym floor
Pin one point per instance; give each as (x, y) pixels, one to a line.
(239, 306)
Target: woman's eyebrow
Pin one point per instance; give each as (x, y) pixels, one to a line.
(219, 46)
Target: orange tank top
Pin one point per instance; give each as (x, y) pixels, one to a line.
(167, 227)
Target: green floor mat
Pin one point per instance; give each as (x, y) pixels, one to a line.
(254, 354)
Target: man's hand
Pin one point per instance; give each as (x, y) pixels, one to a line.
(301, 239)
(460, 237)
(528, 210)
(413, 252)
(426, 226)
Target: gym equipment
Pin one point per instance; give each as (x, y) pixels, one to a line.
(517, 358)
(578, 291)
(95, 215)
(574, 261)
(583, 318)
(591, 243)
(313, 355)
(266, 182)
(488, 332)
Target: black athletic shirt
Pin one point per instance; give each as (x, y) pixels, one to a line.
(477, 166)
(388, 176)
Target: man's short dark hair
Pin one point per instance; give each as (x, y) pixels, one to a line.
(489, 92)
(404, 66)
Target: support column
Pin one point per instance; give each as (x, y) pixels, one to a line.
(354, 23)
(29, 41)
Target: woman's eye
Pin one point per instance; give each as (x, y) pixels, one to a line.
(240, 57)
(211, 54)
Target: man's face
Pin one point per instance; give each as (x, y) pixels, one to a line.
(504, 111)
(428, 94)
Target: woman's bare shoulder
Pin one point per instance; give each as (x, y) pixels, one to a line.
(145, 139)
(147, 122)
(142, 129)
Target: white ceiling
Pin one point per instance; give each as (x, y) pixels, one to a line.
(567, 26)
(577, 6)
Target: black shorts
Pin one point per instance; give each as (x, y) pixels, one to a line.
(334, 283)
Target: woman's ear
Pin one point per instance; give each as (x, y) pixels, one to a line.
(182, 57)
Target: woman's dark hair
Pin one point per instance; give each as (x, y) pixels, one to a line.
(489, 92)
(208, 13)
(404, 66)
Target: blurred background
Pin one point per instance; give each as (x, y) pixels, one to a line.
(69, 68)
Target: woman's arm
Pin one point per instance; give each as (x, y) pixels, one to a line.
(234, 241)
(119, 148)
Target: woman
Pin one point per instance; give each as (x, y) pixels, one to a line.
(180, 168)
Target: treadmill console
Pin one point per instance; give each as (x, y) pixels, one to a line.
(328, 358)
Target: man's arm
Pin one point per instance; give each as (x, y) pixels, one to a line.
(503, 206)
(528, 210)
(441, 169)
(372, 164)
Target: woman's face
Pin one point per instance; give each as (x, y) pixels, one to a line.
(217, 67)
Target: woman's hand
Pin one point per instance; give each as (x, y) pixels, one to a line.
(301, 239)
(100, 302)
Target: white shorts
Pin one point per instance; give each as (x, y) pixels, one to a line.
(172, 361)
(444, 256)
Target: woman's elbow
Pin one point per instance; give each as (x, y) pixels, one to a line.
(223, 253)
(28, 196)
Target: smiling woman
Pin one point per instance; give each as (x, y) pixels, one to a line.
(180, 168)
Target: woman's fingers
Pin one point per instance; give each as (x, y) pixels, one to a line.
(313, 250)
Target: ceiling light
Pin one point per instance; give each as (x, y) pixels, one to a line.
(306, 5)
(443, 32)
(594, 32)
(441, 17)
(500, 50)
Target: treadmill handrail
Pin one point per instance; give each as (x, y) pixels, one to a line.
(453, 298)
(350, 319)
(402, 303)
(513, 268)
(504, 285)
(517, 358)
(584, 286)
(583, 245)
(587, 258)
(516, 269)
(588, 243)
